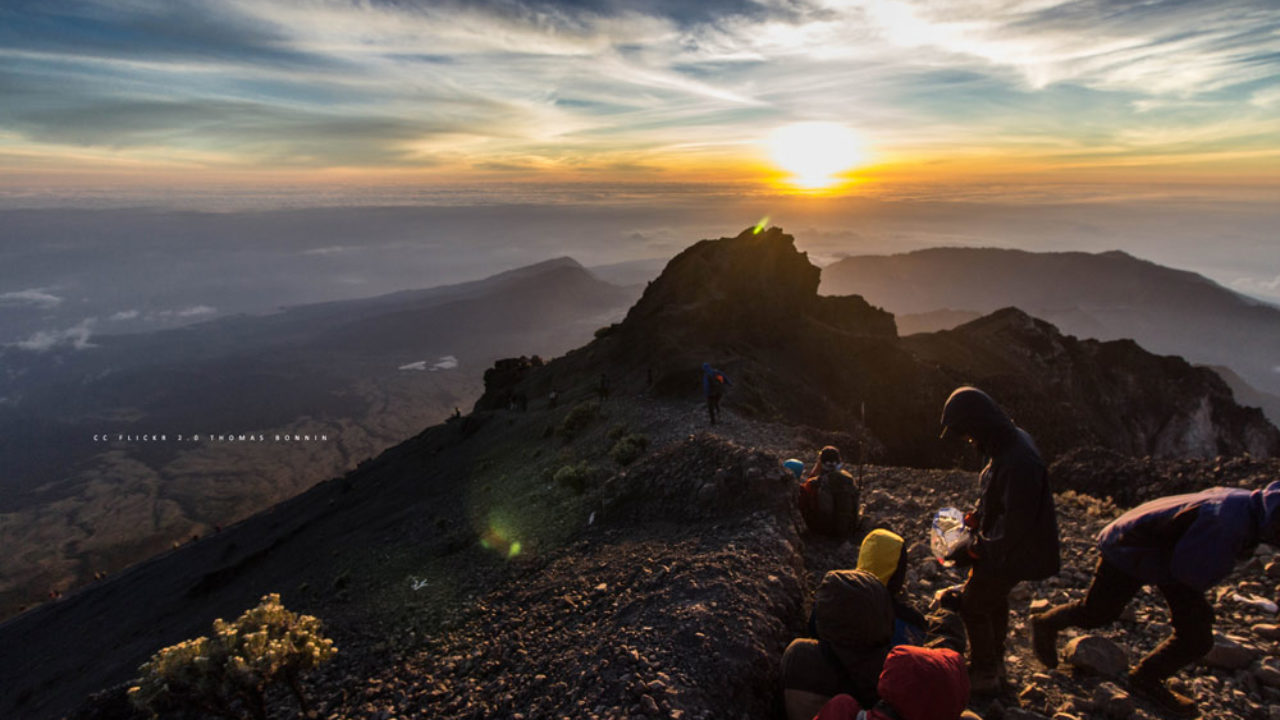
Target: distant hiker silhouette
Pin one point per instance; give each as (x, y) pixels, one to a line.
(714, 386)
(829, 497)
(1014, 528)
(553, 399)
(603, 388)
(1184, 545)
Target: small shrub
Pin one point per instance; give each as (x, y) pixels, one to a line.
(574, 476)
(628, 448)
(581, 416)
(616, 432)
(606, 330)
(228, 673)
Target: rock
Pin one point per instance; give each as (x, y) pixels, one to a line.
(1113, 702)
(1039, 605)
(1230, 652)
(1022, 714)
(649, 704)
(1032, 696)
(1266, 631)
(1272, 569)
(1020, 592)
(1064, 716)
(1096, 654)
(1268, 673)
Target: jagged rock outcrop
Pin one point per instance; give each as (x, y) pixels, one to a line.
(749, 305)
(1072, 393)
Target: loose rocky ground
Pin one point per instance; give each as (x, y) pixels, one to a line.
(672, 586)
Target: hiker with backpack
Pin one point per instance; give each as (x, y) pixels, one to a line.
(1014, 529)
(812, 668)
(714, 385)
(829, 497)
(853, 623)
(1184, 545)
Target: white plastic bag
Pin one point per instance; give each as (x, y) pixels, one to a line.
(948, 534)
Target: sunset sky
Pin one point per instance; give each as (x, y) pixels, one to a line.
(401, 93)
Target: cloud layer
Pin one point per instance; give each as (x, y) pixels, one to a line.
(522, 88)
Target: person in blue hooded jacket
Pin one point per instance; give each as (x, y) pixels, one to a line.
(714, 384)
(1184, 545)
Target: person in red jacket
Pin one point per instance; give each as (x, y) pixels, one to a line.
(916, 684)
(1014, 528)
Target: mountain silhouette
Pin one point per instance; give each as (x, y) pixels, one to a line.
(1107, 296)
(358, 373)
(519, 562)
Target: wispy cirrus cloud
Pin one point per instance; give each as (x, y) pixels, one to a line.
(76, 337)
(524, 87)
(37, 297)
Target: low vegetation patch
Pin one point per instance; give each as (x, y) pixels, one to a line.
(578, 419)
(228, 673)
(628, 448)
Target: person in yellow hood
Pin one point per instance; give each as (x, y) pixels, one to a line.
(884, 554)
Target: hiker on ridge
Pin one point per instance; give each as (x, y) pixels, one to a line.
(1014, 529)
(714, 384)
(829, 497)
(1184, 545)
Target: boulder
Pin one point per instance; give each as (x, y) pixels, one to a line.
(1230, 652)
(1266, 631)
(1098, 655)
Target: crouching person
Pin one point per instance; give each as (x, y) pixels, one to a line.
(1184, 545)
(916, 684)
(854, 621)
(829, 497)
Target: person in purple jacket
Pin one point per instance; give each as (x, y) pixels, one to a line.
(1184, 545)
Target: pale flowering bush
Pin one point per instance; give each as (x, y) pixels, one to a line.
(227, 674)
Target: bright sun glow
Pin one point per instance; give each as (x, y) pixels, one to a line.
(815, 153)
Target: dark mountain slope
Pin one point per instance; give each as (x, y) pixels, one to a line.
(749, 305)
(336, 370)
(1072, 393)
(488, 566)
(1107, 296)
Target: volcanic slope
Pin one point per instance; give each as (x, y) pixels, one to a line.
(607, 557)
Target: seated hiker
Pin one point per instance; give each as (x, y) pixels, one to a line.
(829, 498)
(1184, 545)
(853, 619)
(884, 554)
(916, 684)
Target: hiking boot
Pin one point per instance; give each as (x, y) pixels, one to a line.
(1154, 690)
(1044, 641)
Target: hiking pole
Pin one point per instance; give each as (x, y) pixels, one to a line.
(862, 443)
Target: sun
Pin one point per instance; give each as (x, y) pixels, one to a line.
(815, 153)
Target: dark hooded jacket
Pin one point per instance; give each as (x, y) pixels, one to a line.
(1192, 539)
(1016, 532)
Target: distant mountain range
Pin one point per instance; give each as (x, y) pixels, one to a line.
(398, 554)
(1108, 296)
(361, 374)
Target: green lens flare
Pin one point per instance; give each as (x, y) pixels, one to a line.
(760, 226)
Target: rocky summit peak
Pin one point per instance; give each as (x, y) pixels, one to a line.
(755, 281)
